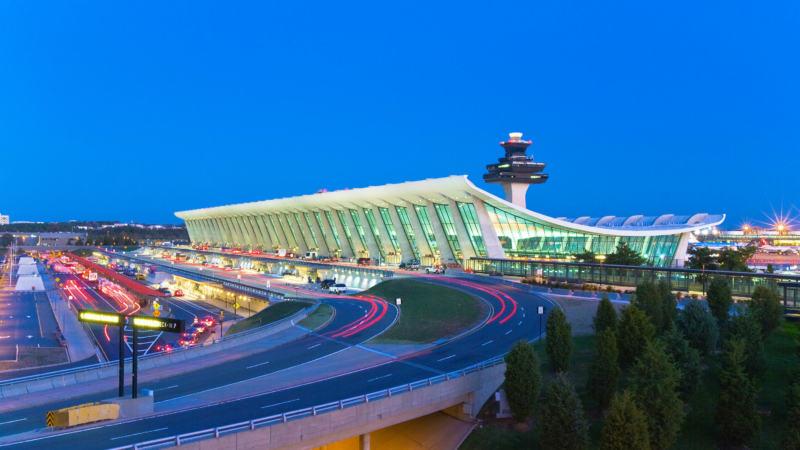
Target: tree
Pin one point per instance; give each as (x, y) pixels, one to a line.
(655, 382)
(107, 240)
(6, 240)
(744, 326)
(69, 241)
(604, 371)
(770, 268)
(606, 316)
(562, 423)
(523, 380)
(736, 419)
(719, 299)
(635, 331)
(735, 260)
(699, 327)
(559, 340)
(702, 258)
(766, 305)
(791, 439)
(79, 242)
(648, 299)
(625, 256)
(669, 305)
(586, 257)
(686, 360)
(625, 426)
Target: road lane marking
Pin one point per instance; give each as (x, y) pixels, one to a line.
(451, 356)
(487, 343)
(136, 434)
(163, 389)
(509, 331)
(257, 365)
(314, 346)
(520, 323)
(523, 315)
(385, 376)
(12, 421)
(281, 403)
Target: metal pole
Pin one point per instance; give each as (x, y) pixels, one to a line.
(122, 359)
(135, 384)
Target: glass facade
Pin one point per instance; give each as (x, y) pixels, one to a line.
(373, 226)
(311, 229)
(293, 241)
(302, 231)
(387, 222)
(274, 241)
(359, 228)
(405, 221)
(470, 218)
(239, 223)
(275, 230)
(335, 233)
(526, 238)
(346, 229)
(449, 227)
(256, 229)
(425, 221)
(291, 228)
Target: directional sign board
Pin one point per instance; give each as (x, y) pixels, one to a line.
(235, 306)
(140, 322)
(100, 317)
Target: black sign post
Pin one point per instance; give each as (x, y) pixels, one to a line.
(136, 323)
(541, 313)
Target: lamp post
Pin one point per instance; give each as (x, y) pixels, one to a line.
(601, 258)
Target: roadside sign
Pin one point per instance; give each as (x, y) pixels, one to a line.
(160, 324)
(398, 302)
(99, 317)
(541, 310)
(267, 284)
(156, 313)
(235, 306)
(60, 284)
(58, 279)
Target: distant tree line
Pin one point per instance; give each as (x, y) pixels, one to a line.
(124, 235)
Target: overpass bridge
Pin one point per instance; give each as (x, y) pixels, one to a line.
(312, 390)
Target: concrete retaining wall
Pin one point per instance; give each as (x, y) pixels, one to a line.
(315, 431)
(89, 375)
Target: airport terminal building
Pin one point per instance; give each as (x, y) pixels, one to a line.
(443, 220)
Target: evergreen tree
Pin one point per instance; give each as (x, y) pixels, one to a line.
(648, 299)
(699, 327)
(606, 316)
(655, 384)
(635, 331)
(736, 419)
(766, 305)
(604, 371)
(791, 438)
(625, 256)
(523, 380)
(686, 360)
(744, 326)
(79, 241)
(562, 423)
(669, 305)
(559, 340)
(719, 299)
(625, 426)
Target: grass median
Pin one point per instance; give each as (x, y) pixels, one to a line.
(270, 314)
(317, 318)
(428, 312)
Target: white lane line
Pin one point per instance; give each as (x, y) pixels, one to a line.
(522, 308)
(314, 346)
(523, 315)
(136, 434)
(446, 358)
(520, 323)
(385, 376)
(281, 403)
(487, 343)
(12, 421)
(509, 331)
(258, 365)
(163, 389)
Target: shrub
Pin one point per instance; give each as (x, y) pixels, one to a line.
(655, 382)
(766, 305)
(669, 305)
(736, 419)
(635, 331)
(719, 299)
(606, 316)
(563, 424)
(745, 327)
(604, 371)
(791, 439)
(699, 327)
(523, 380)
(648, 299)
(686, 360)
(625, 427)
(559, 340)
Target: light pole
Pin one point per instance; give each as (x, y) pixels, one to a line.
(601, 258)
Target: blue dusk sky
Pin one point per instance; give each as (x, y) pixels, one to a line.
(132, 111)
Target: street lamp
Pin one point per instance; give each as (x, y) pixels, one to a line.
(601, 258)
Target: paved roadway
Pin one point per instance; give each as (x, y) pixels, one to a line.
(513, 318)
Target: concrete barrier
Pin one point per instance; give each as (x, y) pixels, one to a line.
(587, 294)
(626, 297)
(561, 291)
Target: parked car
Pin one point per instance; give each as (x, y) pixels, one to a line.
(409, 266)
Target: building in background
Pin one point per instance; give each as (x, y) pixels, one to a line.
(443, 220)
(4, 220)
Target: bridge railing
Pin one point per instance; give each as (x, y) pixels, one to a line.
(212, 433)
(115, 363)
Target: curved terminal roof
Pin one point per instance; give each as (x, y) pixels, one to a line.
(461, 189)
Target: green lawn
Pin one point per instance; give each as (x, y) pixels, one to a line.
(428, 311)
(697, 431)
(272, 313)
(317, 318)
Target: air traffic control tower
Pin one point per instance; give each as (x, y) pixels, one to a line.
(516, 171)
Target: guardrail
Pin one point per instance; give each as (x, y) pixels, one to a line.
(115, 363)
(306, 412)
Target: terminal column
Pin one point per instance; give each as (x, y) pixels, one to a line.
(363, 442)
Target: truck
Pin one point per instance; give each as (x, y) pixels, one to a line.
(280, 252)
(311, 255)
